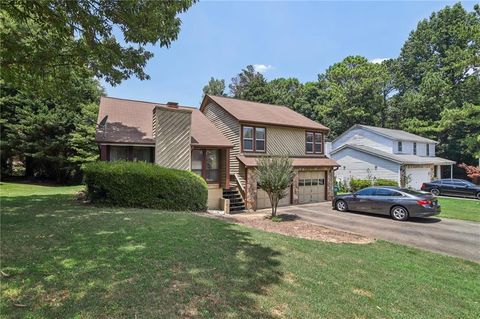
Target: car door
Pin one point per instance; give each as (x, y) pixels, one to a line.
(465, 189)
(362, 200)
(380, 203)
(448, 187)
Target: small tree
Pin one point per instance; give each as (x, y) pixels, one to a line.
(274, 174)
(472, 171)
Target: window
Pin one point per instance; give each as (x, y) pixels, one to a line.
(141, 154)
(254, 139)
(313, 142)
(309, 142)
(400, 146)
(414, 148)
(260, 139)
(118, 153)
(206, 164)
(366, 192)
(427, 150)
(386, 192)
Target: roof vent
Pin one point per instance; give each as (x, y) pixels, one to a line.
(172, 104)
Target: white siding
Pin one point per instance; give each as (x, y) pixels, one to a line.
(357, 164)
(360, 136)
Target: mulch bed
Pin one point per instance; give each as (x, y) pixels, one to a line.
(292, 225)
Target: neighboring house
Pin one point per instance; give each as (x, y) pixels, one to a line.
(221, 142)
(366, 151)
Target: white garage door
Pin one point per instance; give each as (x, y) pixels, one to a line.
(264, 202)
(311, 187)
(417, 176)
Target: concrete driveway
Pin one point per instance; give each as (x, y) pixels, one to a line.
(448, 236)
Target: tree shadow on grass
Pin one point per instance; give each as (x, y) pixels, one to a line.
(65, 259)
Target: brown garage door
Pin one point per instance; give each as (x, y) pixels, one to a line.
(264, 202)
(311, 187)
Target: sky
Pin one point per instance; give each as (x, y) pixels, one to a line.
(282, 39)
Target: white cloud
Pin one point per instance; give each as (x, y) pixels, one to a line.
(378, 60)
(262, 68)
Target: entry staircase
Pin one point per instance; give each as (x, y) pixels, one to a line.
(236, 194)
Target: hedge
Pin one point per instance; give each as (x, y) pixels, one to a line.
(358, 184)
(138, 184)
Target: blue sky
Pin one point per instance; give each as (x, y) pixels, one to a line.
(285, 39)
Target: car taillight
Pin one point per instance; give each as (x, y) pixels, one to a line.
(423, 186)
(424, 202)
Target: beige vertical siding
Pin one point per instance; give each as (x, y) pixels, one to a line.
(173, 137)
(229, 126)
(285, 141)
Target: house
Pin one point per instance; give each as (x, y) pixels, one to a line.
(366, 151)
(221, 141)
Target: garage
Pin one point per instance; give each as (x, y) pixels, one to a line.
(311, 187)
(264, 202)
(415, 176)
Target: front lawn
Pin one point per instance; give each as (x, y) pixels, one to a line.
(64, 259)
(460, 208)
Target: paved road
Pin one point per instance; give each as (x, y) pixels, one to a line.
(448, 236)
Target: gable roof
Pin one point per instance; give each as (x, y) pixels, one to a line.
(391, 133)
(261, 113)
(126, 121)
(396, 158)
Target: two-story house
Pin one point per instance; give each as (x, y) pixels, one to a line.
(221, 141)
(366, 151)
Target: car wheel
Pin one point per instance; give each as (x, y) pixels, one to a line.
(399, 213)
(435, 191)
(478, 195)
(341, 205)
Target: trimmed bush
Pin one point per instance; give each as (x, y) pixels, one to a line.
(385, 182)
(358, 184)
(137, 184)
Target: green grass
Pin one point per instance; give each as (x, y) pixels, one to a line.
(459, 208)
(23, 189)
(69, 260)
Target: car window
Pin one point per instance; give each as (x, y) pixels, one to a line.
(366, 192)
(386, 192)
(411, 192)
(458, 183)
(447, 182)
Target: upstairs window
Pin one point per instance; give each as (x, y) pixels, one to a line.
(254, 139)
(313, 142)
(400, 147)
(427, 150)
(414, 148)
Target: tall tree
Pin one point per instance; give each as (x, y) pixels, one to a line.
(250, 85)
(353, 91)
(215, 87)
(439, 70)
(53, 137)
(58, 36)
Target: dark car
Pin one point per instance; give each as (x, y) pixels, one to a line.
(399, 203)
(452, 187)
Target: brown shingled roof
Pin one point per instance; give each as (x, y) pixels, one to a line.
(130, 122)
(250, 161)
(254, 112)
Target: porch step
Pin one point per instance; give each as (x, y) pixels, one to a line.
(236, 201)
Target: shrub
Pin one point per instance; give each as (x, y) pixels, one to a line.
(358, 184)
(385, 182)
(136, 184)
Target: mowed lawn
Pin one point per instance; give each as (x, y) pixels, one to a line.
(460, 208)
(65, 259)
